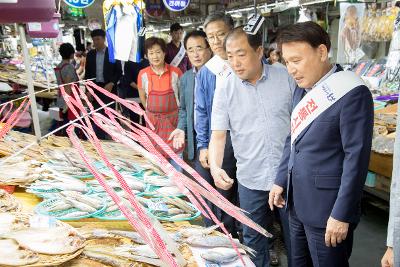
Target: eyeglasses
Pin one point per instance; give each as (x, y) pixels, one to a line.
(213, 38)
(196, 50)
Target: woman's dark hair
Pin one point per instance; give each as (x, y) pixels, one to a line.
(98, 32)
(195, 34)
(309, 32)
(152, 41)
(175, 27)
(254, 40)
(66, 50)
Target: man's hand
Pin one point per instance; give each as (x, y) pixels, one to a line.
(336, 232)
(275, 197)
(203, 158)
(178, 137)
(388, 258)
(109, 86)
(221, 179)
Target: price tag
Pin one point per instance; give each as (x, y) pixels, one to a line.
(42, 221)
(157, 205)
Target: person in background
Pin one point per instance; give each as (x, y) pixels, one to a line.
(254, 104)
(88, 47)
(274, 55)
(65, 73)
(326, 156)
(80, 63)
(128, 88)
(176, 55)
(105, 73)
(199, 53)
(216, 26)
(158, 87)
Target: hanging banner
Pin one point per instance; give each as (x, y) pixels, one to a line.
(176, 5)
(79, 3)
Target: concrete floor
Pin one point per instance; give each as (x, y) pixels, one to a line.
(369, 239)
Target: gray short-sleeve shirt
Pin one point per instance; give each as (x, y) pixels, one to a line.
(259, 120)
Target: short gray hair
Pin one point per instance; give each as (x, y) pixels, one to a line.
(219, 16)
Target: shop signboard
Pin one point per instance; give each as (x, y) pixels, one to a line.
(79, 3)
(155, 8)
(176, 5)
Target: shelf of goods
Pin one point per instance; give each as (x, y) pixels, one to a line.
(54, 191)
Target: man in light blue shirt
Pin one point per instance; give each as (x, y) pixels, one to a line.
(255, 104)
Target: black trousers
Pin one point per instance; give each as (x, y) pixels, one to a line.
(229, 165)
(99, 132)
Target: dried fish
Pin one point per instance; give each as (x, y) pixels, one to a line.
(79, 205)
(58, 206)
(221, 255)
(52, 241)
(88, 200)
(105, 259)
(12, 254)
(141, 250)
(158, 180)
(215, 241)
(8, 202)
(168, 191)
(134, 236)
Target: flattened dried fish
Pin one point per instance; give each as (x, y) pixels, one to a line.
(52, 241)
(12, 254)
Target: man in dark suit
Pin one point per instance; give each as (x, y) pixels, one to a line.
(98, 66)
(324, 168)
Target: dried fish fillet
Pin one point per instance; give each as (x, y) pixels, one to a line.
(12, 254)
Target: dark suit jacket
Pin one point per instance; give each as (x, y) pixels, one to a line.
(325, 170)
(112, 71)
(186, 119)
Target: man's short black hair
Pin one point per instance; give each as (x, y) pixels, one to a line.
(98, 32)
(175, 27)
(195, 34)
(309, 32)
(254, 40)
(66, 50)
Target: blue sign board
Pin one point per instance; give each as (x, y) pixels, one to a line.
(79, 3)
(176, 5)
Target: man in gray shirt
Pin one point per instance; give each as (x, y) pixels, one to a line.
(255, 105)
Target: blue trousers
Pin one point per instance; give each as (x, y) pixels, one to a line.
(256, 203)
(309, 242)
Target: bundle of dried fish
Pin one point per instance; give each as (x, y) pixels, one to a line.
(172, 209)
(8, 202)
(13, 254)
(71, 205)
